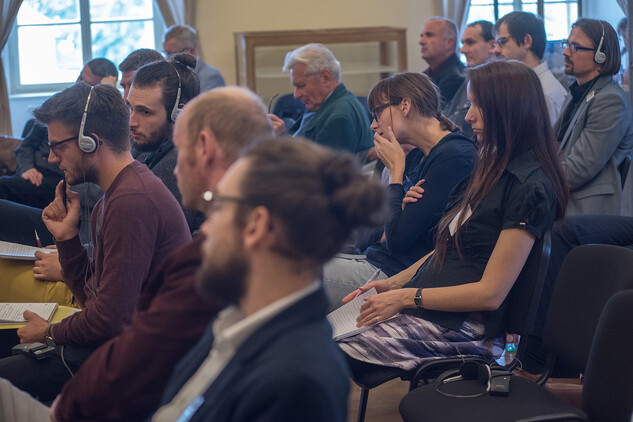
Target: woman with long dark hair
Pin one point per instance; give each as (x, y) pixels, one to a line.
(454, 300)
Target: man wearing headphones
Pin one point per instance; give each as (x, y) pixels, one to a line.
(159, 90)
(135, 225)
(594, 129)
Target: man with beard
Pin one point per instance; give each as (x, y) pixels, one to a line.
(124, 379)
(594, 130)
(270, 356)
(158, 92)
(136, 224)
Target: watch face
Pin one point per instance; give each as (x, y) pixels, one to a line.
(49, 341)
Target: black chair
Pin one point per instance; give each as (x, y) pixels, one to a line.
(525, 296)
(590, 275)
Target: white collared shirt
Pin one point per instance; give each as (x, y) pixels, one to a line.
(554, 92)
(230, 330)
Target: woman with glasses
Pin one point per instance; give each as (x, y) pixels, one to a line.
(454, 300)
(406, 113)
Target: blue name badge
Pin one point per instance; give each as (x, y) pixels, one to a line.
(191, 409)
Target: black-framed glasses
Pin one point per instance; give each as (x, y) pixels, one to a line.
(53, 145)
(211, 201)
(501, 41)
(376, 110)
(575, 47)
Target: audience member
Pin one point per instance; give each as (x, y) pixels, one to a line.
(406, 110)
(439, 43)
(124, 378)
(34, 183)
(455, 299)
(478, 45)
(89, 140)
(333, 115)
(595, 130)
(521, 36)
(159, 90)
(270, 357)
(184, 39)
(133, 62)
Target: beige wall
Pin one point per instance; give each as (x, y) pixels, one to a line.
(217, 20)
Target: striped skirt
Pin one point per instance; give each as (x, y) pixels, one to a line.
(406, 341)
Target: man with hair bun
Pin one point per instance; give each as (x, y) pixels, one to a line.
(159, 91)
(270, 356)
(334, 117)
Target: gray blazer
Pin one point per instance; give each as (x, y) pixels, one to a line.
(597, 139)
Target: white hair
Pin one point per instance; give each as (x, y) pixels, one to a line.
(316, 57)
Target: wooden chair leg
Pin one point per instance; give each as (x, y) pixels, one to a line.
(362, 404)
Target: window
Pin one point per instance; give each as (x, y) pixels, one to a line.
(557, 14)
(52, 39)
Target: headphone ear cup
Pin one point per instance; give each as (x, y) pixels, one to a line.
(87, 144)
(469, 370)
(484, 374)
(175, 112)
(600, 57)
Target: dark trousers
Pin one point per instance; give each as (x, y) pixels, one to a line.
(573, 231)
(22, 191)
(44, 379)
(19, 222)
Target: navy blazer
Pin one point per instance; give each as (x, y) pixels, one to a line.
(288, 370)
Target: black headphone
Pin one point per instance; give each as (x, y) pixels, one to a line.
(175, 111)
(600, 57)
(470, 370)
(86, 143)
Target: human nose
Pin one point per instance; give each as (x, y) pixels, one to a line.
(374, 125)
(52, 157)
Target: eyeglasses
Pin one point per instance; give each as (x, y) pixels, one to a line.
(501, 41)
(53, 145)
(575, 47)
(376, 110)
(211, 201)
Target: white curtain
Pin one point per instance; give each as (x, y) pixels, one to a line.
(8, 12)
(623, 5)
(178, 12)
(457, 10)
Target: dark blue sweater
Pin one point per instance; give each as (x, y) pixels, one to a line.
(410, 233)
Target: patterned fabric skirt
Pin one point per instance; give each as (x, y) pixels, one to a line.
(406, 341)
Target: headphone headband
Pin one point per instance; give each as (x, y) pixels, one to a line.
(85, 142)
(600, 57)
(175, 111)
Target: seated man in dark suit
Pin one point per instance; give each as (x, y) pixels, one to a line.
(270, 357)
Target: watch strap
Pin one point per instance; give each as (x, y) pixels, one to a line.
(417, 299)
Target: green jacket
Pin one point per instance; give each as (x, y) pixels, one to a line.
(340, 123)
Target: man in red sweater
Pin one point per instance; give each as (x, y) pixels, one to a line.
(124, 378)
(134, 227)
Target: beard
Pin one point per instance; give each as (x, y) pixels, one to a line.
(222, 276)
(154, 139)
(81, 173)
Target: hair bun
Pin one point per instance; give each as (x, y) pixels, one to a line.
(185, 59)
(335, 172)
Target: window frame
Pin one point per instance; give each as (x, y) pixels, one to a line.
(12, 66)
(518, 5)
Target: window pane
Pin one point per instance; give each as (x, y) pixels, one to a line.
(505, 9)
(120, 9)
(48, 11)
(54, 53)
(530, 7)
(481, 13)
(558, 19)
(116, 40)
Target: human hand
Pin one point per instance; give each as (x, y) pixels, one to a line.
(47, 266)
(34, 330)
(413, 194)
(382, 306)
(278, 125)
(53, 408)
(390, 152)
(61, 220)
(380, 285)
(33, 176)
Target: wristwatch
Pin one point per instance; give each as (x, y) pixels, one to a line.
(417, 299)
(48, 338)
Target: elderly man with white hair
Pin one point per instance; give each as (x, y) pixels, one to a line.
(334, 117)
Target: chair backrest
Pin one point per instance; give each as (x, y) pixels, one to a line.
(288, 107)
(608, 385)
(526, 292)
(589, 276)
